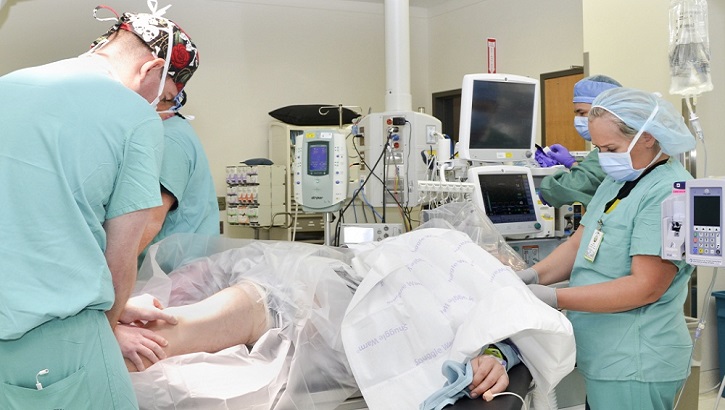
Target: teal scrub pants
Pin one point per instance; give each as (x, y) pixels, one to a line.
(631, 395)
(85, 367)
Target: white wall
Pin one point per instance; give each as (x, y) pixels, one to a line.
(532, 37)
(628, 41)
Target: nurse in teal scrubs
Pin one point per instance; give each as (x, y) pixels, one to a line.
(624, 301)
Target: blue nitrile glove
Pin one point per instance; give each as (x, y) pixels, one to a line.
(546, 294)
(528, 276)
(561, 154)
(544, 160)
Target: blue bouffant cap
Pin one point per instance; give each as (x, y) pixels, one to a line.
(587, 89)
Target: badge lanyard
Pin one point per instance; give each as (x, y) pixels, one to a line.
(624, 191)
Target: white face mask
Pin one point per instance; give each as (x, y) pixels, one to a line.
(618, 165)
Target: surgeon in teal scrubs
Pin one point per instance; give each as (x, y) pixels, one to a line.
(624, 301)
(583, 178)
(187, 188)
(81, 149)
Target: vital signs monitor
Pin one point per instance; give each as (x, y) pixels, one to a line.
(498, 117)
(320, 171)
(506, 195)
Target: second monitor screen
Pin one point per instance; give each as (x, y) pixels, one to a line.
(507, 198)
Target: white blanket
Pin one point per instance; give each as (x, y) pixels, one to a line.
(433, 295)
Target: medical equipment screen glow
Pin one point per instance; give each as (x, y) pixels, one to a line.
(501, 115)
(507, 198)
(706, 210)
(317, 158)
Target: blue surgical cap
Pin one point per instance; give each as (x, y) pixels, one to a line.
(633, 107)
(587, 89)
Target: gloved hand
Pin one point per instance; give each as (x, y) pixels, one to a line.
(546, 294)
(544, 160)
(561, 154)
(528, 275)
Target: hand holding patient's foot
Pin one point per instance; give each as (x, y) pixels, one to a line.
(233, 316)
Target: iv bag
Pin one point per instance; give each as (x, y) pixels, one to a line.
(689, 50)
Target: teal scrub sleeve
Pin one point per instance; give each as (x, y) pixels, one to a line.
(577, 185)
(175, 169)
(137, 183)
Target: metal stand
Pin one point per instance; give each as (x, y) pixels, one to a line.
(329, 234)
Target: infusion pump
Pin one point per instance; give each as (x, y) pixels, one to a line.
(320, 170)
(692, 222)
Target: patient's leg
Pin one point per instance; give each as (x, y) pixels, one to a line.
(235, 315)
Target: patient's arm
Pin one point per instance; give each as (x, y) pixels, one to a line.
(232, 316)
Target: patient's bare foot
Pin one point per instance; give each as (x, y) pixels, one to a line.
(232, 316)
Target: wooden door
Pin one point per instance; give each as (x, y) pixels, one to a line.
(557, 110)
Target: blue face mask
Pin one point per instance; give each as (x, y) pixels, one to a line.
(618, 165)
(582, 127)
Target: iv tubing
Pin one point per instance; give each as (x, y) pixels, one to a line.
(699, 134)
(698, 332)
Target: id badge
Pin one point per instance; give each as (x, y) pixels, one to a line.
(594, 244)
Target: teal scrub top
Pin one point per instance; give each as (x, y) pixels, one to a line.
(78, 148)
(650, 343)
(185, 173)
(576, 185)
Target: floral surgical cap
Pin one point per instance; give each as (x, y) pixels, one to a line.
(154, 30)
(633, 107)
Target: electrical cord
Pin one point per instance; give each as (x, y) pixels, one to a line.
(371, 172)
(708, 390)
(488, 397)
(407, 162)
(38, 384)
(407, 218)
(698, 332)
(342, 212)
(386, 147)
(376, 215)
(719, 393)
(699, 133)
(354, 211)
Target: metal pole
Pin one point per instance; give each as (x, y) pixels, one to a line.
(328, 228)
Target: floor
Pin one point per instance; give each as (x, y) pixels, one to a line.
(707, 401)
